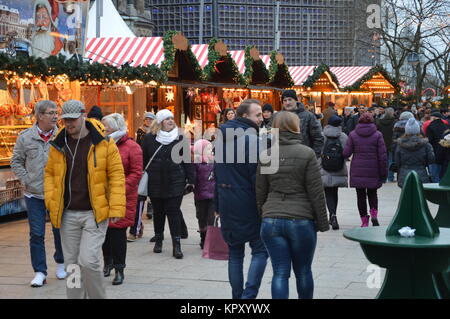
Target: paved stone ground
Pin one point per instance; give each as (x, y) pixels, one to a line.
(339, 266)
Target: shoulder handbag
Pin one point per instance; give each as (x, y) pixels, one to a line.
(143, 183)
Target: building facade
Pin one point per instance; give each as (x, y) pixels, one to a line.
(136, 16)
(311, 31)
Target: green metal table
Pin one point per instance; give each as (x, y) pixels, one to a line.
(439, 194)
(415, 266)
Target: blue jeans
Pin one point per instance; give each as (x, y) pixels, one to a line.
(36, 219)
(390, 160)
(255, 271)
(435, 171)
(290, 242)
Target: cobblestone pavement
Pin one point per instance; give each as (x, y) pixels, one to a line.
(339, 266)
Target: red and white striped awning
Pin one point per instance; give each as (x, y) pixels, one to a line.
(201, 53)
(117, 51)
(300, 73)
(348, 75)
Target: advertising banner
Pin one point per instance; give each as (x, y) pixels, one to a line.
(43, 27)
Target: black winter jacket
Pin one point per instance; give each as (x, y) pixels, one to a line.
(165, 178)
(311, 130)
(435, 131)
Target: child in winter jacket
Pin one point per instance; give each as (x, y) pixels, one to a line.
(204, 186)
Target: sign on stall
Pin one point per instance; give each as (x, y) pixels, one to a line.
(43, 27)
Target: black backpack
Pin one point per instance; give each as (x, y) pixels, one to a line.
(332, 157)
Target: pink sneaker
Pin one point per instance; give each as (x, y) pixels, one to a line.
(374, 217)
(365, 221)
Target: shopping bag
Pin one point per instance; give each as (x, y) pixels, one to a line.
(215, 247)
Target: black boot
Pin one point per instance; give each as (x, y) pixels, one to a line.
(333, 222)
(119, 277)
(153, 239)
(158, 243)
(202, 239)
(177, 253)
(107, 270)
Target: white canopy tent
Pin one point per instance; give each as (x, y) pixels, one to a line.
(111, 23)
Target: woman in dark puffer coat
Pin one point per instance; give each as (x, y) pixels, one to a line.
(414, 153)
(368, 168)
(115, 245)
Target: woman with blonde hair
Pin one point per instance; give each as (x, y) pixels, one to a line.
(115, 245)
(168, 179)
(292, 204)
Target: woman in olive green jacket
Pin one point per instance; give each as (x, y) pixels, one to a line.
(292, 204)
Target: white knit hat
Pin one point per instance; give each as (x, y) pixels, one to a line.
(412, 127)
(163, 115)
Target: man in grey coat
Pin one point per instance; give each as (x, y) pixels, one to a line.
(310, 128)
(28, 163)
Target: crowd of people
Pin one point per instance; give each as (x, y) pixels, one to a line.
(86, 176)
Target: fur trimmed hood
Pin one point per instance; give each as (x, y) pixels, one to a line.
(412, 143)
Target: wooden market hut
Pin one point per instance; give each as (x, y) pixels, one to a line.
(313, 83)
(363, 85)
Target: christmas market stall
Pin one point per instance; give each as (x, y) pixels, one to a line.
(314, 84)
(363, 85)
(26, 80)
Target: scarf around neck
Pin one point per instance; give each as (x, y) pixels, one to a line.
(117, 135)
(165, 138)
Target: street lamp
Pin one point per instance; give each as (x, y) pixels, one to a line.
(414, 60)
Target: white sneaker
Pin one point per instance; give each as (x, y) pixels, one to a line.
(39, 280)
(60, 271)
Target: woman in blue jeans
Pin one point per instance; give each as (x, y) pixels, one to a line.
(292, 203)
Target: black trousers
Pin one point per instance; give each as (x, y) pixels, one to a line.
(363, 195)
(331, 196)
(204, 213)
(136, 228)
(169, 207)
(115, 247)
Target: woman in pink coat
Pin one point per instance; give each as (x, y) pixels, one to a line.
(115, 245)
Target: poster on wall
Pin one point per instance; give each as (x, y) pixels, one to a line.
(41, 28)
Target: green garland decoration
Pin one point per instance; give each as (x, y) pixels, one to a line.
(279, 75)
(210, 73)
(321, 69)
(170, 53)
(255, 71)
(376, 69)
(80, 71)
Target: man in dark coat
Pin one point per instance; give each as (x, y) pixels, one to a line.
(435, 132)
(385, 125)
(236, 197)
(309, 126)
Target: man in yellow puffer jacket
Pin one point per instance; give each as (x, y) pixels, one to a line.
(84, 186)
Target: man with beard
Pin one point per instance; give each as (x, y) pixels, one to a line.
(43, 44)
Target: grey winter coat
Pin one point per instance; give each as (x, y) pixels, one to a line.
(296, 190)
(413, 153)
(339, 178)
(29, 159)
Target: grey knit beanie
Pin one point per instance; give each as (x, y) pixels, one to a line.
(412, 127)
(406, 116)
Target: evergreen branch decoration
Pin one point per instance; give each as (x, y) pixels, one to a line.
(321, 69)
(170, 56)
(79, 71)
(229, 69)
(169, 52)
(279, 75)
(376, 69)
(255, 71)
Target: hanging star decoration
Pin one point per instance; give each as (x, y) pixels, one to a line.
(170, 96)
